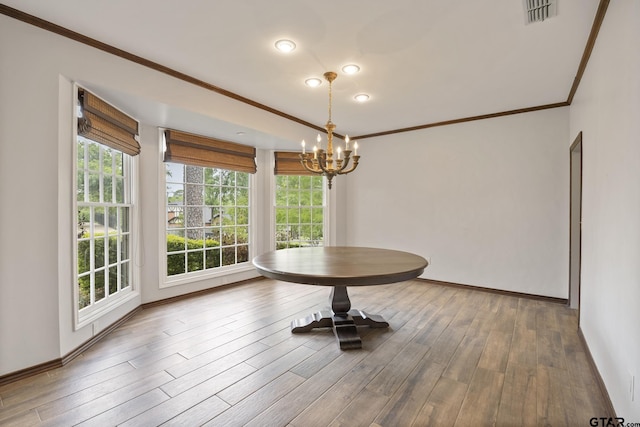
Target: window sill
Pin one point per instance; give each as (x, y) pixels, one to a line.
(219, 273)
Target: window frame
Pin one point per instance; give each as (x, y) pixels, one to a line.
(89, 314)
(329, 211)
(299, 207)
(212, 273)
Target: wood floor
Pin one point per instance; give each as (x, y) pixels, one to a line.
(451, 356)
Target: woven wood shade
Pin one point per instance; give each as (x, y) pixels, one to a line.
(288, 163)
(196, 150)
(107, 125)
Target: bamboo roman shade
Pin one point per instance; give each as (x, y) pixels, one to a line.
(107, 125)
(288, 163)
(196, 150)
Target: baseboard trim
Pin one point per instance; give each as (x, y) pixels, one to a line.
(88, 344)
(60, 362)
(603, 388)
(31, 371)
(200, 292)
(554, 300)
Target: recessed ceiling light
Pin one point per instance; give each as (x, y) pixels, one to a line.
(313, 82)
(240, 133)
(285, 46)
(350, 69)
(361, 97)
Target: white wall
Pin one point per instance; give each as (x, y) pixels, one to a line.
(487, 201)
(606, 109)
(37, 72)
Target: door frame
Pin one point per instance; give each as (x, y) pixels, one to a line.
(575, 222)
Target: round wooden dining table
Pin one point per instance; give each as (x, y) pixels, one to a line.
(340, 267)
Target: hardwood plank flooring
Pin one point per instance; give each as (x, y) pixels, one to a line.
(451, 357)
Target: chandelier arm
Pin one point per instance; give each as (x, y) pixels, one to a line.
(305, 163)
(353, 167)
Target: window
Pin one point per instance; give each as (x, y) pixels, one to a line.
(103, 218)
(207, 222)
(207, 205)
(105, 149)
(299, 205)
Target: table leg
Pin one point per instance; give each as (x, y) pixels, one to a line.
(341, 318)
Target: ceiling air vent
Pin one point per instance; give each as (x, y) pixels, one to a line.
(538, 10)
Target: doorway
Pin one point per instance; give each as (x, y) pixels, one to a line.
(575, 222)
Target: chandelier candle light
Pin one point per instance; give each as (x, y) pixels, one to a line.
(320, 161)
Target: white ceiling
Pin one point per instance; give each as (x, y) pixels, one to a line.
(422, 61)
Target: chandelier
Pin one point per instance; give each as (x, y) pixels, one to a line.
(321, 162)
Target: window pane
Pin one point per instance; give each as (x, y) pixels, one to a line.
(317, 183)
(305, 233)
(194, 174)
(216, 176)
(243, 253)
(84, 222)
(227, 178)
(317, 215)
(84, 291)
(213, 236)
(305, 198)
(228, 235)
(212, 258)
(293, 198)
(94, 187)
(113, 250)
(119, 160)
(281, 215)
(281, 182)
(99, 253)
(293, 182)
(175, 264)
(93, 152)
(120, 190)
(107, 187)
(113, 220)
(228, 196)
(99, 285)
(174, 172)
(175, 194)
(242, 216)
(124, 220)
(316, 197)
(195, 261)
(113, 280)
(305, 182)
(229, 255)
(176, 241)
(124, 275)
(294, 215)
(242, 179)
(317, 233)
(107, 160)
(124, 247)
(84, 256)
(80, 186)
(195, 238)
(242, 197)
(242, 234)
(80, 155)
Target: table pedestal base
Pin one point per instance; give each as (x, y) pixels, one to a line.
(341, 318)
